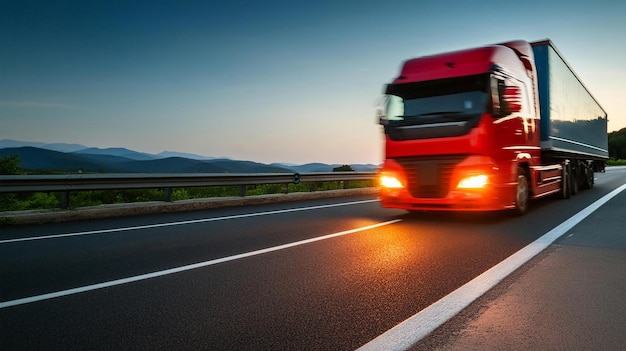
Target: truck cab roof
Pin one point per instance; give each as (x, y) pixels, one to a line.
(466, 62)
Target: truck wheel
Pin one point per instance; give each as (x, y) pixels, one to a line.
(565, 182)
(588, 180)
(521, 192)
(574, 182)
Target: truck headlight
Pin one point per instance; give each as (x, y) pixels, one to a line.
(473, 182)
(390, 182)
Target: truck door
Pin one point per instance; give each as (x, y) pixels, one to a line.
(514, 124)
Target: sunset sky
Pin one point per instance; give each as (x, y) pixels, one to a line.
(265, 81)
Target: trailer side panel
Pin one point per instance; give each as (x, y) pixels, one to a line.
(573, 124)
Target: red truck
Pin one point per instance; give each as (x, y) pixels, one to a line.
(489, 128)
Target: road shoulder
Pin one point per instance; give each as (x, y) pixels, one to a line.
(570, 296)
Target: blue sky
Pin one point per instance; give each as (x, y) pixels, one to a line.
(267, 81)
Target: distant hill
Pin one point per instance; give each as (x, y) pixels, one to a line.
(117, 151)
(166, 154)
(322, 167)
(170, 165)
(185, 165)
(62, 147)
(36, 159)
(247, 166)
(122, 160)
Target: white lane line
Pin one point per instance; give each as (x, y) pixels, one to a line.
(148, 226)
(186, 268)
(412, 330)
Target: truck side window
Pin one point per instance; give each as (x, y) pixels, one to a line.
(510, 97)
(495, 96)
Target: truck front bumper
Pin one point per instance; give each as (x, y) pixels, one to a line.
(497, 198)
(466, 183)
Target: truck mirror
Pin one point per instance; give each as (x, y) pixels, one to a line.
(380, 116)
(511, 100)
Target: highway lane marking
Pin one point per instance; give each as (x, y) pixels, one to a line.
(193, 221)
(108, 284)
(416, 327)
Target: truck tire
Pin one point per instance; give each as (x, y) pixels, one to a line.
(521, 192)
(574, 182)
(565, 182)
(588, 180)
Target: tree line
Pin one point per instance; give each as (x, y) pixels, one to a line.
(617, 145)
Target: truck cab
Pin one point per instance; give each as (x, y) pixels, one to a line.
(462, 132)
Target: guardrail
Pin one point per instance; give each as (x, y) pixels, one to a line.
(85, 182)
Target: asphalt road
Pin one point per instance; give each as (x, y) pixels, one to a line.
(315, 275)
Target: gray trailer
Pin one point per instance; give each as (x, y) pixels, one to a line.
(573, 124)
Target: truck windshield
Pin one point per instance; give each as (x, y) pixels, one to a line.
(436, 101)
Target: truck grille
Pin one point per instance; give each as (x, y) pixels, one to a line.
(429, 177)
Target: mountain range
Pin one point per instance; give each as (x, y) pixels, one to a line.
(60, 157)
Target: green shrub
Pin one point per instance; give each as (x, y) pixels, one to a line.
(8, 202)
(616, 163)
(34, 201)
(180, 194)
(10, 165)
(86, 198)
(43, 200)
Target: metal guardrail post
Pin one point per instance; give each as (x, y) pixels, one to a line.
(168, 194)
(65, 200)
